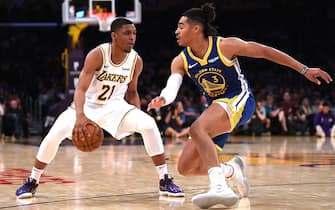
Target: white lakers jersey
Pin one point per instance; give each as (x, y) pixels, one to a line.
(111, 81)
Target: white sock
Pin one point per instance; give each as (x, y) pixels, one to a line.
(228, 169)
(162, 170)
(36, 174)
(216, 177)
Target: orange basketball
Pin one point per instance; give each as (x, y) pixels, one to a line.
(93, 140)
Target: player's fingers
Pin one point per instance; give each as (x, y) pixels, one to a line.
(326, 77)
(74, 135)
(85, 131)
(152, 103)
(315, 80)
(150, 106)
(81, 134)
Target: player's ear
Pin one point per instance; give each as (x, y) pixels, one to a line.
(196, 27)
(113, 35)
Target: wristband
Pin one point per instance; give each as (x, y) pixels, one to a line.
(304, 70)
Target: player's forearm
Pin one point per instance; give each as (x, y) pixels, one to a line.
(134, 99)
(79, 101)
(169, 93)
(282, 58)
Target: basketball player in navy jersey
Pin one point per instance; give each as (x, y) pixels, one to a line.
(107, 95)
(211, 62)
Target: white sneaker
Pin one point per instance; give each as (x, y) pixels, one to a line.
(239, 178)
(216, 195)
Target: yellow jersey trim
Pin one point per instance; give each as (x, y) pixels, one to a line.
(202, 61)
(235, 117)
(110, 57)
(183, 56)
(122, 119)
(224, 60)
(103, 57)
(133, 67)
(218, 148)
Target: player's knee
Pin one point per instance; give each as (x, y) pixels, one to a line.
(147, 123)
(194, 130)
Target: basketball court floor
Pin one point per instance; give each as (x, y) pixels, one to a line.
(284, 173)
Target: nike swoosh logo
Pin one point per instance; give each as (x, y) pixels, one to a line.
(213, 60)
(191, 66)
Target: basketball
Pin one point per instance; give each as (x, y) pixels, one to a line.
(93, 140)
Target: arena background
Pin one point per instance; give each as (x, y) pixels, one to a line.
(33, 38)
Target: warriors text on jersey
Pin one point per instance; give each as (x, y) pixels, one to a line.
(215, 75)
(111, 81)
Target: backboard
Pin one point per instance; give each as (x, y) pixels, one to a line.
(84, 11)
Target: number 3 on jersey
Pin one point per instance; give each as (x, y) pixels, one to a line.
(107, 92)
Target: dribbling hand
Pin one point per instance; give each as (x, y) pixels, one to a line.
(156, 102)
(79, 131)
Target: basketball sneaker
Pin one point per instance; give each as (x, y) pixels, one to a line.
(28, 189)
(238, 179)
(216, 195)
(167, 187)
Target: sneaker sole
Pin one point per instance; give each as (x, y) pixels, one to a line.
(176, 194)
(25, 195)
(164, 193)
(245, 187)
(205, 202)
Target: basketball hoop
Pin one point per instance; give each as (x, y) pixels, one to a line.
(105, 19)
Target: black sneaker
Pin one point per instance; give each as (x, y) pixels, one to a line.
(28, 189)
(167, 187)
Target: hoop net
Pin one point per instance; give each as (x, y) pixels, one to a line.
(105, 19)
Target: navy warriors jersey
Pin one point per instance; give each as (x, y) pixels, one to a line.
(111, 81)
(215, 75)
(221, 80)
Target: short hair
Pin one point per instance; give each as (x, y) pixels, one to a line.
(326, 103)
(119, 22)
(205, 15)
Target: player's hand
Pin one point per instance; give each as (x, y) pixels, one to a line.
(79, 132)
(156, 103)
(315, 74)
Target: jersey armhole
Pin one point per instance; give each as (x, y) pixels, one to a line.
(185, 63)
(224, 60)
(133, 66)
(103, 58)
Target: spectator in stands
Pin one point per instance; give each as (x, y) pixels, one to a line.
(276, 116)
(190, 111)
(298, 121)
(306, 108)
(175, 120)
(12, 120)
(324, 121)
(286, 105)
(259, 122)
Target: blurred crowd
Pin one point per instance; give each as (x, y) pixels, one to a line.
(33, 86)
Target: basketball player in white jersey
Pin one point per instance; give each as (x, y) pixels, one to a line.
(107, 95)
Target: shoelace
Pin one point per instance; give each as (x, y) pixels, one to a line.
(29, 181)
(172, 184)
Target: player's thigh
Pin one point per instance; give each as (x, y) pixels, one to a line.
(214, 121)
(62, 127)
(111, 117)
